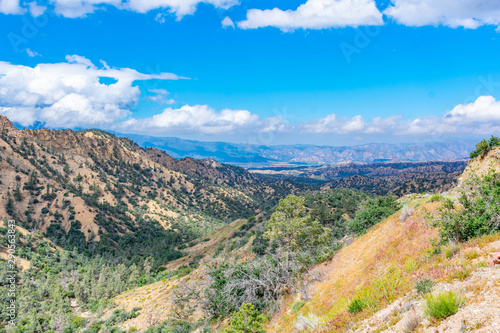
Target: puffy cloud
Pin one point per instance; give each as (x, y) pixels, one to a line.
(331, 124)
(81, 8)
(227, 22)
(201, 119)
(484, 109)
(464, 13)
(69, 94)
(35, 9)
(316, 14)
(11, 7)
(482, 116)
(178, 7)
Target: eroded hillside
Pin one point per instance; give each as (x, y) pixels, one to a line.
(91, 183)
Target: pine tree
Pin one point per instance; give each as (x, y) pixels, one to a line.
(9, 206)
(293, 228)
(17, 193)
(134, 275)
(147, 266)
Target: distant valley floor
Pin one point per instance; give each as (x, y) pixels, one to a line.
(377, 178)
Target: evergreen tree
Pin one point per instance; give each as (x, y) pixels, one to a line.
(147, 266)
(293, 228)
(9, 206)
(134, 275)
(17, 193)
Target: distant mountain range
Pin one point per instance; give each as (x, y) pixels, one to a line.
(254, 155)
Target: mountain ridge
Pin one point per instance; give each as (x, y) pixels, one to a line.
(250, 155)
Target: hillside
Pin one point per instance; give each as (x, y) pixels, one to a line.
(92, 185)
(379, 269)
(382, 268)
(482, 165)
(111, 237)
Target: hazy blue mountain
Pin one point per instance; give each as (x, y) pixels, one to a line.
(253, 155)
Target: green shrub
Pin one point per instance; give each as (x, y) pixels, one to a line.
(356, 306)
(474, 215)
(485, 146)
(246, 320)
(183, 270)
(451, 250)
(424, 286)
(297, 306)
(78, 322)
(443, 305)
(372, 213)
(436, 198)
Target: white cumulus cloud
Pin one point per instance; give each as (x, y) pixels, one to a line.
(178, 7)
(69, 94)
(35, 9)
(480, 117)
(316, 14)
(11, 7)
(453, 13)
(201, 119)
(81, 8)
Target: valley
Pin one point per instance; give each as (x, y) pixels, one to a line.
(113, 237)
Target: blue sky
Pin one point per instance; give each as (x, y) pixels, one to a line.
(265, 72)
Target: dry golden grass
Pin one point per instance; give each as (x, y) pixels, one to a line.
(380, 267)
(377, 268)
(155, 299)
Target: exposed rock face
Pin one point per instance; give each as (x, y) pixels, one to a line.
(483, 164)
(7, 128)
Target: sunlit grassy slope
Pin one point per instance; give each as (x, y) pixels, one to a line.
(377, 269)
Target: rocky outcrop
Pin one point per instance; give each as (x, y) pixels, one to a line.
(482, 165)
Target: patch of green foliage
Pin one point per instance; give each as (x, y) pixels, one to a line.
(297, 306)
(356, 306)
(424, 286)
(372, 212)
(294, 228)
(436, 198)
(476, 212)
(485, 146)
(443, 305)
(246, 320)
(333, 208)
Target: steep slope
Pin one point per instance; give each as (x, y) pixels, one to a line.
(90, 183)
(483, 164)
(381, 268)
